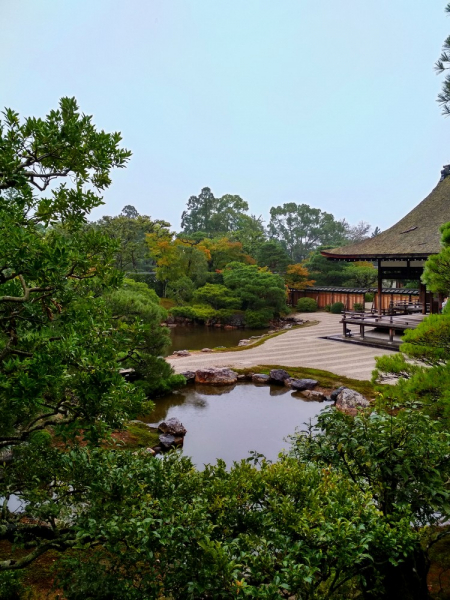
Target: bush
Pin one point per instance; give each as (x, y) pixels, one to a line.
(327, 307)
(257, 318)
(337, 308)
(11, 587)
(307, 305)
(358, 306)
(368, 297)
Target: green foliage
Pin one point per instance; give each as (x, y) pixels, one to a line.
(213, 216)
(361, 275)
(300, 229)
(11, 585)
(436, 274)
(358, 307)
(256, 288)
(256, 319)
(306, 305)
(272, 255)
(337, 308)
(61, 345)
(218, 296)
(368, 297)
(181, 290)
(326, 272)
(255, 531)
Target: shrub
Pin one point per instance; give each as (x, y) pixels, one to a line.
(368, 297)
(327, 307)
(358, 306)
(257, 318)
(337, 308)
(11, 587)
(307, 305)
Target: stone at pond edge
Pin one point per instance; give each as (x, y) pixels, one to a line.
(335, 394)
(312, 395)
(278, 376)
(182, 353)
(189, 376)
(166, 441)
(260, 378)
(172, 426)
(216, 376)
(300, 384)
(349, 400)
(206, 350)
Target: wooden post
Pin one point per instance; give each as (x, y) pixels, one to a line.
(423, 297)
(380, 286)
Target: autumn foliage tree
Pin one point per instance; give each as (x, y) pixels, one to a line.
(297, 276)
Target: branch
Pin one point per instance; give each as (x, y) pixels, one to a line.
(26, 292)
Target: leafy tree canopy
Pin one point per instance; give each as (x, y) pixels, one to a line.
(271, 254)
(361, 274)
(213, 216)
(297, 277)
(300, 229)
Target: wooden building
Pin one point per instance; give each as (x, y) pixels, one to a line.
(401, 251)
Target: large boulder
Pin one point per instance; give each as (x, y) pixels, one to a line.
(260, 378)
(166, 441)
(278, 376)
(189, 376)
(349, 401)
(172, 426)
(215, 376)
(336, 392)
(300, 384)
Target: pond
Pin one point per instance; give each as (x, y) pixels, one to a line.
(229, 422)
(196, 338)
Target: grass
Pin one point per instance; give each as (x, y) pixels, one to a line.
(325, 378)
(136, 435)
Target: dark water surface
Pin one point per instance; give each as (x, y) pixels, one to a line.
(228, 422)
(196, 338)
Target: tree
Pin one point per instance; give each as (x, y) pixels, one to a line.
(297, 277)
(216, 295)
(250, 233)
(361, 274)
(358, 232)
(437, 268)
(443, 65)
(129, 229)
(375, 232)
(272, 255)
(300, 229)
(398, 457)
(59, 343)
(326, 272)
(213, 216)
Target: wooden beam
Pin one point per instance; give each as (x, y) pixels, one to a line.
(380, 286)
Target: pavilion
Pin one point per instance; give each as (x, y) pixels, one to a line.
(401, 251)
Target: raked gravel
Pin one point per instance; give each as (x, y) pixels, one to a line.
(296, 348)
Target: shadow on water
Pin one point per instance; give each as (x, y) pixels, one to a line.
(229, 422)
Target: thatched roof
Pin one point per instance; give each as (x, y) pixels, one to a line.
(415, 236)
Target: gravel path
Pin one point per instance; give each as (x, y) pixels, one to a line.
(296, 348)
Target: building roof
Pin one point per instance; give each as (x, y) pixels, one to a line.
(415, 236)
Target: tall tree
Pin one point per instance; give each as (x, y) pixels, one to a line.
(443, 65)
(212, 216)
(300, 229)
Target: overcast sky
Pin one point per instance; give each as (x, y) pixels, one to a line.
(326, 103)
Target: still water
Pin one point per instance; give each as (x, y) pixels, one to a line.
(196, 338)
(228, 422)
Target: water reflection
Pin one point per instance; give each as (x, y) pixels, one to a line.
(229, 423)
(196, 338)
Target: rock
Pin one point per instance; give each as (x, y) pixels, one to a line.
(301, 384)
(243, 342)
(218, 325)
(288, 326)
(335, 394)
(182, 353)
(228, 327)
(150, 451)
(206, 350)
(241, 377)
(255, 337)
(166, 441)
(172, 426)
(350, 400)
(189, 376)
(178, 441)
(278, 376)
(312, 395)
(260, 378)
(216, 376)
(271, 332)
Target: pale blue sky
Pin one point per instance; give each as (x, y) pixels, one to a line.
(316, 101)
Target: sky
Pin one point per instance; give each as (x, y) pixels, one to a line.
(331, 104)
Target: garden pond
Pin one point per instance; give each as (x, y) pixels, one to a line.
(229, 422)
(198, 337)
